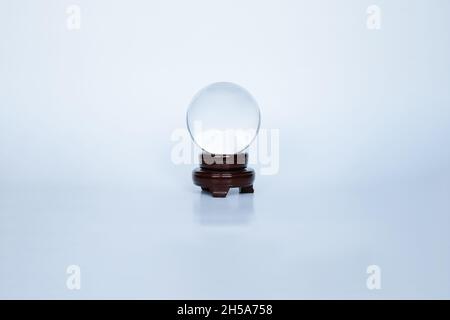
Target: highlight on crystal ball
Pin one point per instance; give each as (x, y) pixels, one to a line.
(223, 118)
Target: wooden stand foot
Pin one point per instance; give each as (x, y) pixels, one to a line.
(219, 192)
(248, 189)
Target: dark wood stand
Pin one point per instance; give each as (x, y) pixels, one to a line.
(218, 173)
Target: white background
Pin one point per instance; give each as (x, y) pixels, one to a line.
(86, 176)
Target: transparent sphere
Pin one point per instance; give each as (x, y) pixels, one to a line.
(223, 118)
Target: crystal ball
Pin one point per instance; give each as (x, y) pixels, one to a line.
(223, 118)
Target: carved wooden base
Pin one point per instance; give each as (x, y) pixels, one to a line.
(218, 173)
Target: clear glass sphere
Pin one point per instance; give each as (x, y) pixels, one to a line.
(223, 118)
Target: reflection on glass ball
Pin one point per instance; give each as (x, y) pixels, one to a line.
(223, 118)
